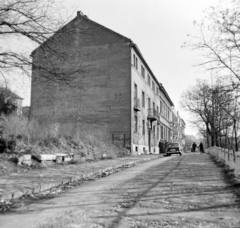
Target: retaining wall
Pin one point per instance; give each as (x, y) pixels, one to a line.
(227, 156)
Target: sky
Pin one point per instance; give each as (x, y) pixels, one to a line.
(159, 28)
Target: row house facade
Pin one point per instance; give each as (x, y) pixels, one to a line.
(117, 94)
(178, 128)
(182, 132)
(151, 113)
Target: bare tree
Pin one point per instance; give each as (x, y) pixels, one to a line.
(219, 41)
(213, 109)
(32, 23)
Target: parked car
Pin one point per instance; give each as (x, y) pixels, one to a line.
(174, 148)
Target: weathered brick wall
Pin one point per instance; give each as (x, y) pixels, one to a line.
(99, 98)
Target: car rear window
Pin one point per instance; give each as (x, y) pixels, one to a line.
(174, 144)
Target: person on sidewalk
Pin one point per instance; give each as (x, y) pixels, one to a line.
(201, 148)
(194, 146)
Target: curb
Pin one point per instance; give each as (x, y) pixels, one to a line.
(16, 194)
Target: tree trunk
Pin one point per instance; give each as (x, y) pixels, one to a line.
(235, 134)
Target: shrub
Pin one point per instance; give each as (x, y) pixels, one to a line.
(27, 136)
(20, 128)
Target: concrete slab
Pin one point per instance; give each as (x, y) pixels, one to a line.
(45, 157)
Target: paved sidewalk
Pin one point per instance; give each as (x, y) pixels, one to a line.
(15, 185)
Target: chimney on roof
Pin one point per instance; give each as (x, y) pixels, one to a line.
(80, 13)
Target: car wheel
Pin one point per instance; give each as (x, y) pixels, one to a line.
(180, 154)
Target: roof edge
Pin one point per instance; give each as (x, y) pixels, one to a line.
(135, 47)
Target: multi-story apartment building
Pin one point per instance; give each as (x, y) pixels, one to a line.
(178, 127)
(166, 107)
(117, 94)
(182, 132)
(175, 126)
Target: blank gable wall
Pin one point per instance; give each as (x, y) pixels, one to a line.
(100, 97)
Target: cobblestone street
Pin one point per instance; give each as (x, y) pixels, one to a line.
(182, 191)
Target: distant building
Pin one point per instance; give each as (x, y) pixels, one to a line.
(10, 99)
(178, 128)
(120, 96)
(182, 132)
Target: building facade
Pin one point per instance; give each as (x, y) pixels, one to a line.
(178, 128)
(10, 101)
(116, 94)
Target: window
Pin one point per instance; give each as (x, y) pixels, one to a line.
(135, 90)
(135, 124)
(161, 132)
(157, 110)
(153, 86)
(149, 80)
(157, 90)
(153, 105)
(154, 130)
(157, 133)
(143, 99)
(136, 63)
(143, 127)
(149, 103)
(134, 60)
(161, 108)
(142, 71)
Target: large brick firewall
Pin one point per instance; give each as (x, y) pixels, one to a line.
(99, 98)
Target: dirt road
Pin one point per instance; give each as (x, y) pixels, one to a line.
(181, 191)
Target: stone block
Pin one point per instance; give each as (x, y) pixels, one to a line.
(77, 157)
(104, 155)
(67, 159)
(27, 162)
(59, 159)
(45, 157)
(27, 157)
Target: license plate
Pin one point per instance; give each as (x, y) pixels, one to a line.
(172, 150)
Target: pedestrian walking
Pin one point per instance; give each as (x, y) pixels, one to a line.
(194, 146)
(201, 148)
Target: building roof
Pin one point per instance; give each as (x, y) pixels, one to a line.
(161, 87)
(10, 93)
